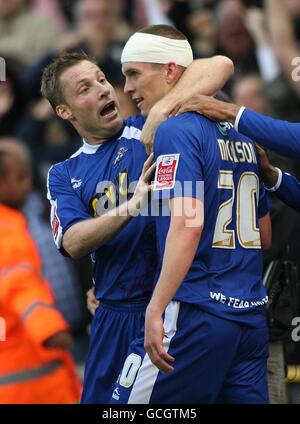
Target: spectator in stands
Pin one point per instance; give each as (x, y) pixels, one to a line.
(24, 35)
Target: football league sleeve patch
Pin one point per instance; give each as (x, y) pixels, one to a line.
(165, 173)
(55, 224)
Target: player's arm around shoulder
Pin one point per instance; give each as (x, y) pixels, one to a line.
(203, 76)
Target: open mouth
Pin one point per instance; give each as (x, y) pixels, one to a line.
(108, 109)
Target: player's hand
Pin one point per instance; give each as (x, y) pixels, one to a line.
(208, 106)
(267, 172)
(198, 103)
(155, 117)
(154, 335)
(91, 302)
(144, 187)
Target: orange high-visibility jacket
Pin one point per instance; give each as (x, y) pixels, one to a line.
(29, 372)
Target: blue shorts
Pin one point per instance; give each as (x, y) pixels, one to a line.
(114, 326)
(216, 361)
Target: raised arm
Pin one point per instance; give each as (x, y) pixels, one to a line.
(282, 36)
(203, 76)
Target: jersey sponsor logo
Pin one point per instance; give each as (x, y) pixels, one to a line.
(55, 223)
(121, 153)
(110, 194)
(76, 183)
(166, 168)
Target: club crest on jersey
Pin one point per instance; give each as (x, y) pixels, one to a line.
(121, 153)
(224, 127)
(165, 174)
(76, 183)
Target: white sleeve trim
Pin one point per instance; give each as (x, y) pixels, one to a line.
(238, 117)
(278, 183)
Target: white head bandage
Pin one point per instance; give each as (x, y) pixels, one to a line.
(156, 49)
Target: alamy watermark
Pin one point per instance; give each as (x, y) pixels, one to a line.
(2, 330)
(109, 195)
(296, 71)
(2, 70)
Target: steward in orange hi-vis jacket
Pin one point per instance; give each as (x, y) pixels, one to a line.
(29, 371)
(35, 365)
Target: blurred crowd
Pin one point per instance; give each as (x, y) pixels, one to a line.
(261, 37)
(261, 40)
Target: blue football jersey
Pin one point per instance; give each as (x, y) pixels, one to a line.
(212, 162)
(94, 180)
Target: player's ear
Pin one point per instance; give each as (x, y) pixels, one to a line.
(173, 72)
(64, 112)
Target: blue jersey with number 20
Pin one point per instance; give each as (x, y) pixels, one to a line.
(212, 162)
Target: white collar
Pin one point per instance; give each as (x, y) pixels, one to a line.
(89, 149)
